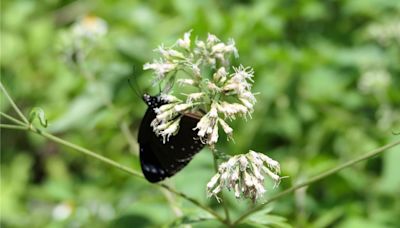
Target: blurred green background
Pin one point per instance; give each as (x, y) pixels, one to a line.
(328, 77)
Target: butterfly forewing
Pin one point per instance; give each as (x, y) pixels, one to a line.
(160, 160)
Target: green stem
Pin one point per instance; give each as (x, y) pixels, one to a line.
(226, 210)
(11, 126)
(13, 104)
(317, 178)
(86, 151)
(12, 119)
(194, 201)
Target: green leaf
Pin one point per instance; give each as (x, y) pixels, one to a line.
(38, 113)
(263, 218)
(190, 219)
(272, 220)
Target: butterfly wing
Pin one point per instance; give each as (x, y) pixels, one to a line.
(161, 160)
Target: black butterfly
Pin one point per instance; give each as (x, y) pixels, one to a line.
(161, 160)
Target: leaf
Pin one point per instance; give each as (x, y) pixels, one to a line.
(263, 218)
(190, 219)
(38, 113)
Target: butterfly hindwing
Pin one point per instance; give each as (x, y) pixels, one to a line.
(151, 167)
(160, 160)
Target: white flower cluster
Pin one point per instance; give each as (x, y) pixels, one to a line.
(216, 91)
(82, 38)
(374, 81)
(89, 27)
(385, 32)
(244, 174)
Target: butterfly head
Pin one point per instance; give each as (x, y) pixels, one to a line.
(153, 101)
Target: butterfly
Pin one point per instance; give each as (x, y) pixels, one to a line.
(160, 160)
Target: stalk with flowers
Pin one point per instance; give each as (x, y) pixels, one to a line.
(220, 92)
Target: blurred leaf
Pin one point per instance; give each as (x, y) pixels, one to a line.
(390, 182)
(131, 220)
(186, 220)
(264, 218)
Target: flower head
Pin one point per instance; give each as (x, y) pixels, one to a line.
(219, 91)
(89, 27)
(245, 174)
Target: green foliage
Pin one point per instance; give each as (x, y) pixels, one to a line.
(328, 77)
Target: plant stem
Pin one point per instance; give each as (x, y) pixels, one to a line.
(317, 178)
(194, 201)
(86, 151)
(226, 210)
(12, 119)
(11, 126)
(13, 104)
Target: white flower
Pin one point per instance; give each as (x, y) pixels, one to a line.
(186, 81)
(225, 95)
(218, 48)
(62, 211)
(170, 53)
(89, 27)
(214, 135)
(185, 42)
(160, 68)
(203, 126)
(194, 96)
(245, 175)
(167, 129)
(164, 108)
(196, 70)
(376, 80)
(232, 48)
(213, 181)
(200, 45)
(213, 111)
(213, 87)
(227, 129)
(212, 39)
(245, 73)
(182, 107)
(169, 98)
(220, 75)
(231, 110)
(165, 115)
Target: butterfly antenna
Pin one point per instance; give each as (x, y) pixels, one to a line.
(135, 90)
(135, 87)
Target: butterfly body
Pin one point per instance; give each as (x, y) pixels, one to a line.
(160, 159)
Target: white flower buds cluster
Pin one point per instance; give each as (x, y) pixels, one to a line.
(385, 32)
(82, 38)
(168, 116)
(89, 27)
(374, 81)
(244, 174)
(217, 92)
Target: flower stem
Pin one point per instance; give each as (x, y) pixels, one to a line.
(226, 210)
(11, 118)
(194, 201)
(12, 126)
(13, 104)
(317, 178)
(86, 151)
